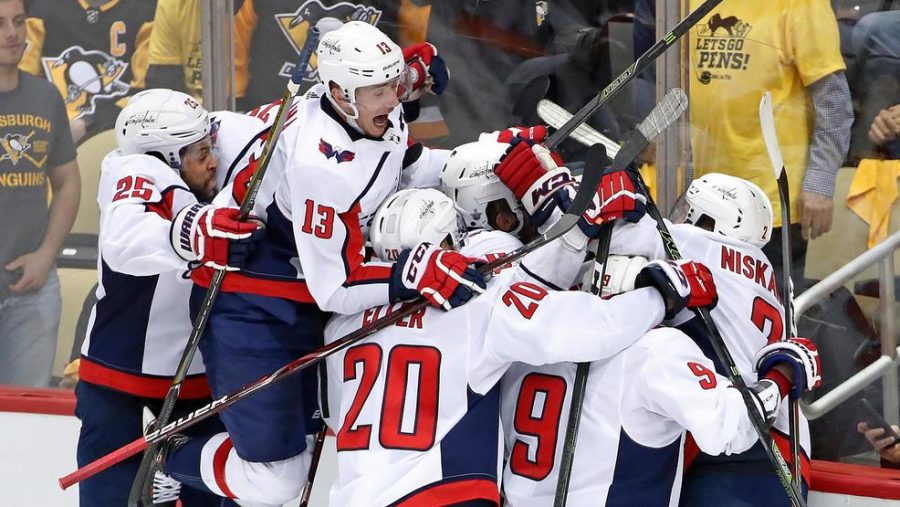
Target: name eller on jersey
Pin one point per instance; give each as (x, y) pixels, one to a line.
(413, 321)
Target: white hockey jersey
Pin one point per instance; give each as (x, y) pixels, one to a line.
(140, 324)
(321, 190)
(749, 312)
(636, 408)
(415, 407)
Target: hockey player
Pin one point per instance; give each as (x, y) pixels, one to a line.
(738, 218)
(636, 409)
(415, 407)
(344, 149)
(154, 227)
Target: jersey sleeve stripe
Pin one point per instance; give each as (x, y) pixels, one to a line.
(357, 271)
(538, 278)
(163, 208)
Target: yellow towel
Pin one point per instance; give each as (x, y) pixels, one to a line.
(872, 192)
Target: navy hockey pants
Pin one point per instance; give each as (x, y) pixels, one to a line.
(249, 337)
(111, 419)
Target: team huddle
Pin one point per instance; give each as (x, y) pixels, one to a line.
(465, 402)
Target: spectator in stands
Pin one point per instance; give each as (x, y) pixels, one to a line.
(791, 49)
(886, 447)
(875, 75)
(175, 59)
(94, 52)
(36, 147)
(482, 42)
(276, 30)
(885, 131)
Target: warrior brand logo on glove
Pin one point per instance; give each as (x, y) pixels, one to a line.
(184, 237)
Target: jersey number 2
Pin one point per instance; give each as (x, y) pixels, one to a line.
(538, 411)
(410, 399)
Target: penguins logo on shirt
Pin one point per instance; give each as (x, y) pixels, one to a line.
(295, 25)
(17, 146)
(83, 76)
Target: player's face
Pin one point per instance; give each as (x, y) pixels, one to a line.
(12, 32)
(374, 104)
(198, 169)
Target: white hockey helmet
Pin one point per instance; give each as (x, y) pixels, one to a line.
(356, 55)
(468, 178)
(411, 216)
(161, 121)
(738, 208)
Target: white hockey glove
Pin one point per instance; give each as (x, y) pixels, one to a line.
(621, 272)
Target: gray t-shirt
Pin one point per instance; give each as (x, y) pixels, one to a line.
(34, 136)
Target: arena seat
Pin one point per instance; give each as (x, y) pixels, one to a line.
(90, 153)
(77, 286)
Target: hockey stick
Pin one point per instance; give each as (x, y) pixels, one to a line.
(731, 369)
(556, 116)
(660, 118)
(313, 466)
(770, 137)
(590, 180)
(639, 65)
(145, 470)
(523, 110)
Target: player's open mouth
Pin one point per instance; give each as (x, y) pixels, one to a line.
(380, 121)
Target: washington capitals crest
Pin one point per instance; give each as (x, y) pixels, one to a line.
(335, 152)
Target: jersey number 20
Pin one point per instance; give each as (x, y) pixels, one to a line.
(409, 406)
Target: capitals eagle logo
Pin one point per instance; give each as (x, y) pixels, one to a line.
(83, 76)
(295, 25)
(336, 152)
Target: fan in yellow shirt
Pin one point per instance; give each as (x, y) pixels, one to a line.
(791, 49)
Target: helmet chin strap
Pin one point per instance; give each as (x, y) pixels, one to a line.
(349, 117)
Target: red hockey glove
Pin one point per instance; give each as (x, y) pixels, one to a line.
(616, 198)
(536, 178)
(801, 355)
(442, 276)
(680, 283)
(214, 236)
(426, 72)
(537, 134)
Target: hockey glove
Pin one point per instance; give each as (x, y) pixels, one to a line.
(800, 355)
(767, 397)
(537, 134)
(616, 198)
(619, 274)
(680, 283)
(442, 276)
(426, 72)
(536, 178)
(214, 236)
